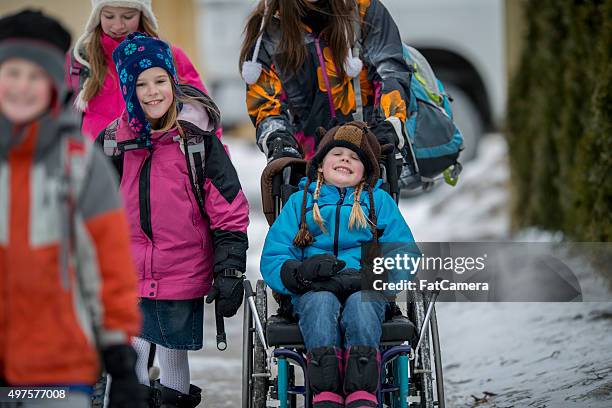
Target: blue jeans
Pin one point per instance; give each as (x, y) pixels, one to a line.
(324, 321)
(174, 324)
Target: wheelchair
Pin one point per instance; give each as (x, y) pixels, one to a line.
(273, 347)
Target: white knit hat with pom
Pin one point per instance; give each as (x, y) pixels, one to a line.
(144, 6)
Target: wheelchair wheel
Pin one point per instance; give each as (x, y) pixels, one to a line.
(260, 383)
(99, 391)
(435, 342)
(422, 373)
(247, 357)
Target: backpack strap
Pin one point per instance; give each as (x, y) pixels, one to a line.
(194, 155)
(192, 145)
(78, 74)
(108, 140)
(75, 158)
(356, 49)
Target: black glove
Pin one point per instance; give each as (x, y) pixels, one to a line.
(229, 292)
(282, 144)
(385, 133)
(125, 390)
(342, 284)
(298, 276)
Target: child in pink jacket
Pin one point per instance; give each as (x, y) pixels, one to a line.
(92, 74)
(188, 231)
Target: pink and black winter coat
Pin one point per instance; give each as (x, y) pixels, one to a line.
(176, 250)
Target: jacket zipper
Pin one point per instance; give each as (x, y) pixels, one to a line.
(338, 208)
(144, 193)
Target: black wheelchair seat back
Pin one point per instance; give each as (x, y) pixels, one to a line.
(279, 180)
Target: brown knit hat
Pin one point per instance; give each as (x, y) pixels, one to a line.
(355, 136)
(360, 139)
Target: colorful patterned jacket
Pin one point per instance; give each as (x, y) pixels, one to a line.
(299, 104)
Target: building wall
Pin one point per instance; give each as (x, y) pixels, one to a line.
(177, 21)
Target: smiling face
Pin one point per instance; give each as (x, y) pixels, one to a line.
(26, 90)
(117, 22)
(155, 93)
(342, 167)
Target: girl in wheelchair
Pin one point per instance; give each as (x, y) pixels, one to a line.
(313, 252)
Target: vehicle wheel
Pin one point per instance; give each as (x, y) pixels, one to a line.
(260, 384)
(468, 119)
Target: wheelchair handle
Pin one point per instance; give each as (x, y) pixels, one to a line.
(277, 180)
(248, 289)
(391, 164)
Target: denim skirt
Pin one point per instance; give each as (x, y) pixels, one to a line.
(174, 324)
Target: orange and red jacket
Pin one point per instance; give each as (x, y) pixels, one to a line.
(67, 281)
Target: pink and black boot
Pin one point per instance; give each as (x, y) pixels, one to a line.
(361, 376)
(325, 377)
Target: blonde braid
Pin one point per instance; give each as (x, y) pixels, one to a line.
(303, 238)
(316, 212)
(357, 216)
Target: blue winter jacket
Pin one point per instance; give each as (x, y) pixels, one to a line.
(335, 205)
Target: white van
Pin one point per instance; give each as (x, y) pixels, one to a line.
(463, 40)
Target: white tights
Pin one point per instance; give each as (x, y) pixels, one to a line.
(174, 365)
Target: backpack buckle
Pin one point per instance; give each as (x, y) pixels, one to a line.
(451, 174)
(133, 144)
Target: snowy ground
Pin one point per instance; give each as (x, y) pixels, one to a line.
(526, 354)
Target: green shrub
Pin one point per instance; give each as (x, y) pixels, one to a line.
(559, 120)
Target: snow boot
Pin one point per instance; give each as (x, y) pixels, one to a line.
(362, 373)
(325, 377)
(153, 396)
(173, 399)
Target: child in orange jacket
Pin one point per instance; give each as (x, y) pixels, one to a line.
(67, 281)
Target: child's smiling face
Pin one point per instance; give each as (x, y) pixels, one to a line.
(26, 90)
(342, 167)
(154, 92)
